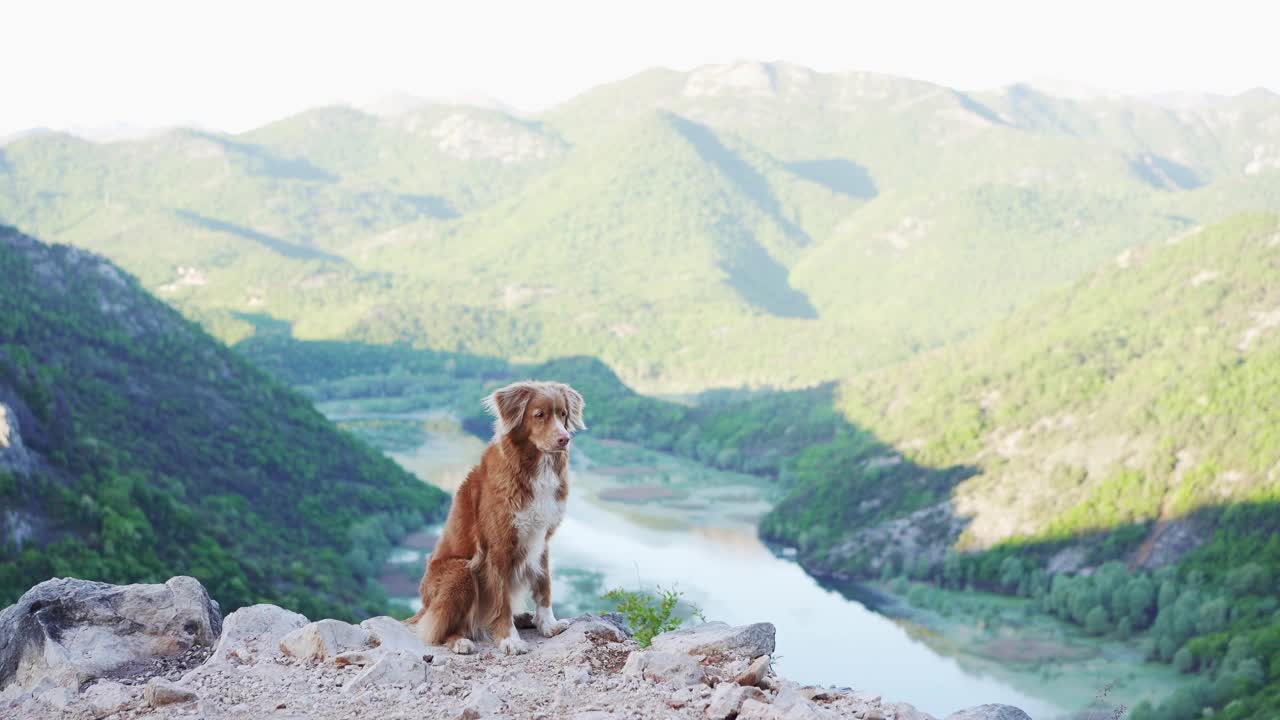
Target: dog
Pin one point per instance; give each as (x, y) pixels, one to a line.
(494, 543)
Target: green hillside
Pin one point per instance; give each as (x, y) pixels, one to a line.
(135, 447)
(1117, 438)
(757, 225)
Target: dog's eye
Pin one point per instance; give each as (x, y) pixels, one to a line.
(538, 414)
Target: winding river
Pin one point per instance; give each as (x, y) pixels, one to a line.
(643, 519)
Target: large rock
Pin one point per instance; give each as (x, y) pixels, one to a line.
(664, 666)
(323, 640)
(255, 632)
(717, 638)
(73, 631)
(990, 712)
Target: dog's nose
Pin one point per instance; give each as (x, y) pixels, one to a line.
(563, 440)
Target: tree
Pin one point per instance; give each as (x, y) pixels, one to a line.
(1096, 621)
(1184, 661)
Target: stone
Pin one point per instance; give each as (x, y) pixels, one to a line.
(583, 634)
(681, 697)
(162, 692)
(255, 632)
(324, 640)
(107, 696)
(990, 712)
(728, 698)
(717, 638)
(757, 710)
(483, 701)
(75, 631)
(791, 703)
(395, 667)
(391, 634)
(755, 672)
(663, 666)
(905, 711)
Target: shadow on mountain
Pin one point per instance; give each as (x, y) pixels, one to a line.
(285, 248)
(738, 171)
(264, 324)
(764, 283)
(978, 108)
(264, 164)
(838, 175)
(1164, 174)
(431, 206)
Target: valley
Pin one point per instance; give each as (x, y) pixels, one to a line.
(645, 519)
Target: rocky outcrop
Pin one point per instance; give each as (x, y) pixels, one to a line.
(273, 663)
(65, 632)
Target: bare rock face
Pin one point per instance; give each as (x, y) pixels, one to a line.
(990, 712)
(70, 632)
(717, 638)
(13, 454)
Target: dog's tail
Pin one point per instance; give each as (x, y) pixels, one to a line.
(416, 616)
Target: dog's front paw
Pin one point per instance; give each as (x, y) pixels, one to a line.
(463, 646)
(513, 645)
(547, 623)
(553, 628)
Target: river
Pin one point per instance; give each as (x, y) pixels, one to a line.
(643, 519)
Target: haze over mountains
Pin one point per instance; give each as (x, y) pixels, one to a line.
(665, 223)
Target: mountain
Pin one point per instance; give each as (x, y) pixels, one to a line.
(134, 445)
(1110, 451)
(752, 224)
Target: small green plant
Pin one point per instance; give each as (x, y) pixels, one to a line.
(650, 614)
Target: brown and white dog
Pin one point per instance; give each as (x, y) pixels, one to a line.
(494, 543)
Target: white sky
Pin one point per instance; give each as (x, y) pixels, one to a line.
(233, 65)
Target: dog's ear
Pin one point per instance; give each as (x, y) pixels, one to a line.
(507, 406)
(574, 400)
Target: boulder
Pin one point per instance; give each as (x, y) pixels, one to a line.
(717, 638)
(395, 667)
(990, 712)
(323, 640)
(255, 632)
(664, 666)
(75, 631)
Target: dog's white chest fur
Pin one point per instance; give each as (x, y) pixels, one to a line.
(540, 516)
